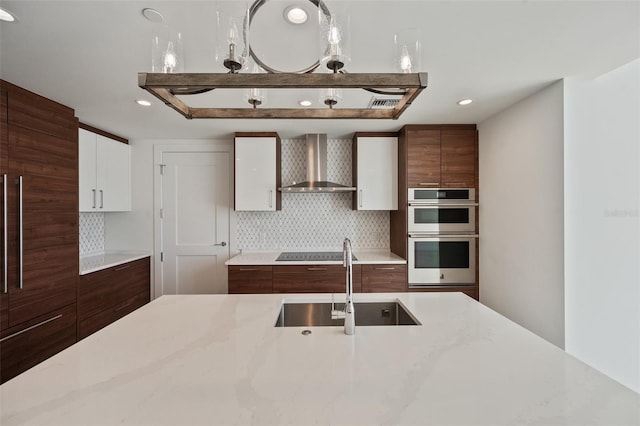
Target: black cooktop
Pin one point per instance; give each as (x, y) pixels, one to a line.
(311, 256)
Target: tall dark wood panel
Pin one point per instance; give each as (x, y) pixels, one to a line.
(40, 158)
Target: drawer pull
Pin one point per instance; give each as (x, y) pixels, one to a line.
(429, 184)
(31, 328)
(121, 307)
(249, 269)
(316, 269)
(121, 268)
(390, 268)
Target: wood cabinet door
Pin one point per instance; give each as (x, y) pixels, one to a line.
(314, 278)
(384, 278)
(43, 234)
(458, 158)
(423, 158)
(250, 279)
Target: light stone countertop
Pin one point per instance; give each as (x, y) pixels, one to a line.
(269, 258)
(218, 360)
(108, 259)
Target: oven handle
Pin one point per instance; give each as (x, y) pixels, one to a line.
(413, 235)
(437, 204)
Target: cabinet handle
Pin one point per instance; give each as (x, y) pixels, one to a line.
(31, 328)
(20, 236)
(94, 198)
(429, 183)
(101, 198)
(361, 198)
(5, 236)
(316, 269)
(391, 268)
(248, 269)
(270, 198)
(121, 268)
(121, 307)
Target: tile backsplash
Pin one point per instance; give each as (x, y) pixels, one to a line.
(91, 233)
(313, 221)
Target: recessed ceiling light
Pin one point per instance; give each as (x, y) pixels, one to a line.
(295, 15)
(465, 101)
(143, 102)
(152, 15)
(304, 103)
(6, 16)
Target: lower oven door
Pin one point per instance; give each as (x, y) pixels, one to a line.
(442, 260)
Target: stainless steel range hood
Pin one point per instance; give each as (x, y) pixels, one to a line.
(316, 145)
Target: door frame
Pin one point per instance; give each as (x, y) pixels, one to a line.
(175, 148)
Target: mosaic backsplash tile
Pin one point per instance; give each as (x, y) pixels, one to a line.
(314, 221)
(91, 233)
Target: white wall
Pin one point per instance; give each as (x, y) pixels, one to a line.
(521, 213)
(602, 232)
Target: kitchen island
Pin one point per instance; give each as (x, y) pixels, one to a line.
(219, 360)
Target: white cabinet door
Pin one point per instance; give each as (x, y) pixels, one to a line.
(377, 173)
(113, 175)
(87, 191)
(104, 177)
(255, 173)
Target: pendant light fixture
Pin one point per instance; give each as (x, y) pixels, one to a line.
(249, 72)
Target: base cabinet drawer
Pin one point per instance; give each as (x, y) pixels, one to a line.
(250, 279)
(314, 279)
(108, 295)
(24, 347)
(384, 278)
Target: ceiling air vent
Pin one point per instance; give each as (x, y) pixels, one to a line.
(383, 103)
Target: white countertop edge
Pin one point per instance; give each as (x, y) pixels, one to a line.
(364, 256)
(108, 259)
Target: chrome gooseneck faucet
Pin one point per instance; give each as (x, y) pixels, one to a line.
(349, 311)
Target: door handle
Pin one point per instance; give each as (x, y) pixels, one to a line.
(101, 199)
(361, 198)
(270, 198)
(223, 244)
(20, 234)
(5, 236)
(94, 198)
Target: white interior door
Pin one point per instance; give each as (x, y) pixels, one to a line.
(194, 222)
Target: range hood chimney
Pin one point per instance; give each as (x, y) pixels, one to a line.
(316, 180)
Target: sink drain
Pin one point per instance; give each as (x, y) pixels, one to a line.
(306, 332)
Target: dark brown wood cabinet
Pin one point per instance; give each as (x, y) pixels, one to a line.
(39, 159)
(250, 279)
(439, 156)
(107, 295)
(458, 158)
(384, 278)
(314, 278)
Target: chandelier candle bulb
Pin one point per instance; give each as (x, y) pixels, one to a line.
(166, 52)
(407, 51)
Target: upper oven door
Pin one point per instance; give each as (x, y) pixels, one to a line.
(442, 218)
(441, 195)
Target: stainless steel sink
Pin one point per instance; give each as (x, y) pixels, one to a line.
(318, 314)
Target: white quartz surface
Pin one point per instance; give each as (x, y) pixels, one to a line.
(218, 360)
(269, 258)
(97, 262)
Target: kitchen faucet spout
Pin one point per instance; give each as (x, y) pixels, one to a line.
(349, 310)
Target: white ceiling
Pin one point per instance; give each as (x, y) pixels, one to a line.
(86, 54)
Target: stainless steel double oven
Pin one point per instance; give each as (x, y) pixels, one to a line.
(442, 238)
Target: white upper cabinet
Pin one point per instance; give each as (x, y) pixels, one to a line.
(257, 173)
(104, 174)
(376, 173)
